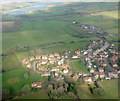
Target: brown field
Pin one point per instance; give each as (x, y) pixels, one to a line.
(13, 80)
(8, 24)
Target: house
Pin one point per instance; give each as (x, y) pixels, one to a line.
(85, 52)
(44, 62)
(60, 62)
(75, 56)
(56, 74)
(96, 74)
(56, 54)
(104, 64)
(51, 61)
(113, 58)
(55, 69)
(26, 61)
(51, 55)
(64, 66)
(91, 70)
(84, 74)
(114, 64)
(38, 64)
(58, 57)
(100, 41)
(113, 74)
(77, 52)
(46, 74)
(37, 84)
(42, 68)
(102, 75)
(38, 57)
(29, 65)
(107, 78)
(31, 58)
(44, 57)
(104, 55)
(65, 71)
(75, 78)
(101, 70)
(87, 79)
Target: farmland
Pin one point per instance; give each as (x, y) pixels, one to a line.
(52, 31)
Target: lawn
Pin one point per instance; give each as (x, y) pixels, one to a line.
(110, 87)
(41, 94)
(78, 66)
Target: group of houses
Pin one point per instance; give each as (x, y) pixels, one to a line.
(102, 48)
(113, 61)
(92, 29)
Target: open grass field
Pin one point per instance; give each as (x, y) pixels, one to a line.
(110, 87)
(10, 63)
(15, 80)
(113, 14)
(41, 94)
(78, 66)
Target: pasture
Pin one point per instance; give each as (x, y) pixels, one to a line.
(79, 66)
(110, 87)
(41, 94)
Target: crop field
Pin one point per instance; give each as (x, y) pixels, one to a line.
(78, 66)
(110, 87)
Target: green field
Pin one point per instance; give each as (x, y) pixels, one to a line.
(15, 80)
(66, 97)
(78, 66)
(41, 94)
(110, 87)
(113, 14)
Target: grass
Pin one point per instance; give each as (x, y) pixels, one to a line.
(107, 23)
(10, 63)
(14, 80)
(78, 66)
(110, 87)
(41, 94)
(66, 97)
(113, 14)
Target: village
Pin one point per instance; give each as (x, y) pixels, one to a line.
(100, 60)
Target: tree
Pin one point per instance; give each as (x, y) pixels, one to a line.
(60, 90)
(98, 91)
(49, 88)
(55, 92)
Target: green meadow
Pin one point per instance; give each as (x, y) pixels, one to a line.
(110, 87)
(79, 66)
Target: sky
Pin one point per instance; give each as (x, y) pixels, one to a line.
(58, 1)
